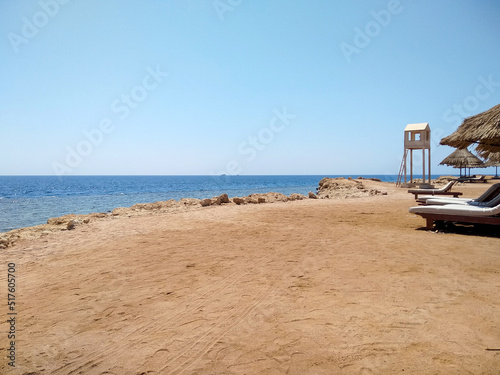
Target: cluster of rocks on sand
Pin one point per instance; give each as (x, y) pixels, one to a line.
(329, 188)
(336, 188)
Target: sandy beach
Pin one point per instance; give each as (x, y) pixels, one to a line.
(313, 286)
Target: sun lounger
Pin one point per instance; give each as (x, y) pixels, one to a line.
(473, 179)
(445, 190)
(427, 200)
(458, 213)
(487, 196)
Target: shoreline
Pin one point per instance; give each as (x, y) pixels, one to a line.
(71, 221)
(349, 188)
(25, 211)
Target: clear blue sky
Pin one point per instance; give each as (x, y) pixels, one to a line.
(195, 86)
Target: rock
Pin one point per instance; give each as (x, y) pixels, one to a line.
(206, 202)
(56, 221)
(369, 178)
(377, 192)
(120, 211)
(189, 201)
(261, 200)
(156, 206)
(224, 198)
(340, 188)
(238, 200)
(296, 197)
(168, 204)
(86, 221)
(147, 206)
(98, 215)
(4, 243)
(269, 197)
(251, 200)
(63, 220)
(312, 195)
(72, 224)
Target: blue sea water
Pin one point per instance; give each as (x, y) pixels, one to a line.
(31, 200)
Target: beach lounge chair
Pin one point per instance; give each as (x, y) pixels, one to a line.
(445, 190)
(473, 179)
(487, 196)
(458, 213)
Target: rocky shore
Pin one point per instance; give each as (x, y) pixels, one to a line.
(329, 188)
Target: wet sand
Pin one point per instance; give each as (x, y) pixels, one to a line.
(327, 286)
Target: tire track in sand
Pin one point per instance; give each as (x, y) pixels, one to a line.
(191, 360)
(203, 346)
(94, 360)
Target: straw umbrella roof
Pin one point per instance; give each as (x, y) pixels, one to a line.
(462, 158)
(493, 160)
(482, 129)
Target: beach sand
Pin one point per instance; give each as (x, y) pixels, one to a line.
(316, 286)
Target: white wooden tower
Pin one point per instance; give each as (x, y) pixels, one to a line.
(417, 137)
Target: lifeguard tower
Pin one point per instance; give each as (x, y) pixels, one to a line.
(417, 137)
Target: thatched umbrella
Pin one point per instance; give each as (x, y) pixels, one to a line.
(482, 129)
(494, 161)
(463, 158)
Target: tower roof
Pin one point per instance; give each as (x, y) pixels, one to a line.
(417, 127)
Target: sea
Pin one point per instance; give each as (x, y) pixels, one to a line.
(31, 200)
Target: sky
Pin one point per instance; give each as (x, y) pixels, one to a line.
(276, 87)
